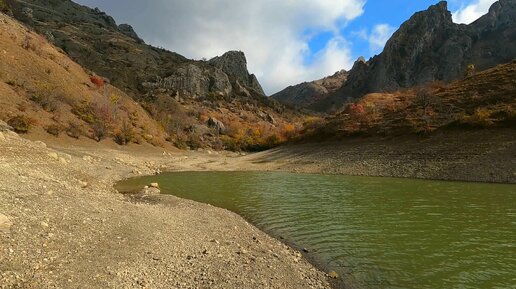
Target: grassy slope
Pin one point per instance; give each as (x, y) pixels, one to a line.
(41, 83)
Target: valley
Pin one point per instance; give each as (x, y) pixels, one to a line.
(86, 103)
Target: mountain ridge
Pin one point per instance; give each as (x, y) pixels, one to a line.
(430, 47)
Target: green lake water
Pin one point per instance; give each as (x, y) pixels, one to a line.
(376, 232)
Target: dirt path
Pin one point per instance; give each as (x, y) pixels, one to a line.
(62, 225)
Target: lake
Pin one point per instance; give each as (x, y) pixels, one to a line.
(375, 232)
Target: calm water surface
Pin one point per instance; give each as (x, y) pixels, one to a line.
(376, 232)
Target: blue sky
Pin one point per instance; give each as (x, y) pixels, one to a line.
(286, 41)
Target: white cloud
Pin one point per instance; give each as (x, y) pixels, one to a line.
(272, 33)
(379, 36)
(472, 12)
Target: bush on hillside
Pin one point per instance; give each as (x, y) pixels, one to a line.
(124, 135)
(21, 123)
(53, 129)
(98, 81)
(74, 130)
(480, 118)
(4, 8)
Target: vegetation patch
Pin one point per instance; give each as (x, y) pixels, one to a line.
(21, 123)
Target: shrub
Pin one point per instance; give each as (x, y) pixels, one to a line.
(20, 123)
(425, 98)
(53, 129)
(194, 141)
(289, 131)
(98, 81)
(46, 101)
(480, 118)
(84, 111)
(4, 8)
(100, 131)
(74, 130)
(124, 135)
(272, 141)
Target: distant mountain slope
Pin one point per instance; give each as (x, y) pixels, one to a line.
(307, 93)
(430, 47)
(95, 41)
(212, 104)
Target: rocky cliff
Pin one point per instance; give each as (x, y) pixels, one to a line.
(307, 93)
(430, 47)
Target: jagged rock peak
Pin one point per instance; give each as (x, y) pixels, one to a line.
(234, 64)
(437, 15)
(129, 31)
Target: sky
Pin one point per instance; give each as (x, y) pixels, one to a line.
(286, 42)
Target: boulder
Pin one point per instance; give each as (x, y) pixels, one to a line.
(5, 127)
(5, 223)
(150, 190)
(270, 119)
(333, 275)
(217, 124)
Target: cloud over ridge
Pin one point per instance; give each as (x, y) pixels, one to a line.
(272, 33)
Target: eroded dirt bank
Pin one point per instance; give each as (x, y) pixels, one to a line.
(476, 155)
(62, 225)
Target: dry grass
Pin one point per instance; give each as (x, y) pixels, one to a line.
(482, 100)
(39, 81)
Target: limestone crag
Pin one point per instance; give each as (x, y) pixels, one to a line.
(192, 80)
(234, 64)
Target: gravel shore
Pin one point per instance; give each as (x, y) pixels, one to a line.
(62, 225)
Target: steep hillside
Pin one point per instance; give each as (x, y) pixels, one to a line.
(481, 101)
(307, 93)
(212, 104)
(430, 47)
(41, 88)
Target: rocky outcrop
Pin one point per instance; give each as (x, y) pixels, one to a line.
(5, 127)
(307, 93)
(192, 80)
(234, 64)
(430, 47)
(217, 124)
(129, 31)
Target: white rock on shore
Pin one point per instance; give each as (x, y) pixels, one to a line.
(5, 223)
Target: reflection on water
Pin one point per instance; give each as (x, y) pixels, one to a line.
(377, 232)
